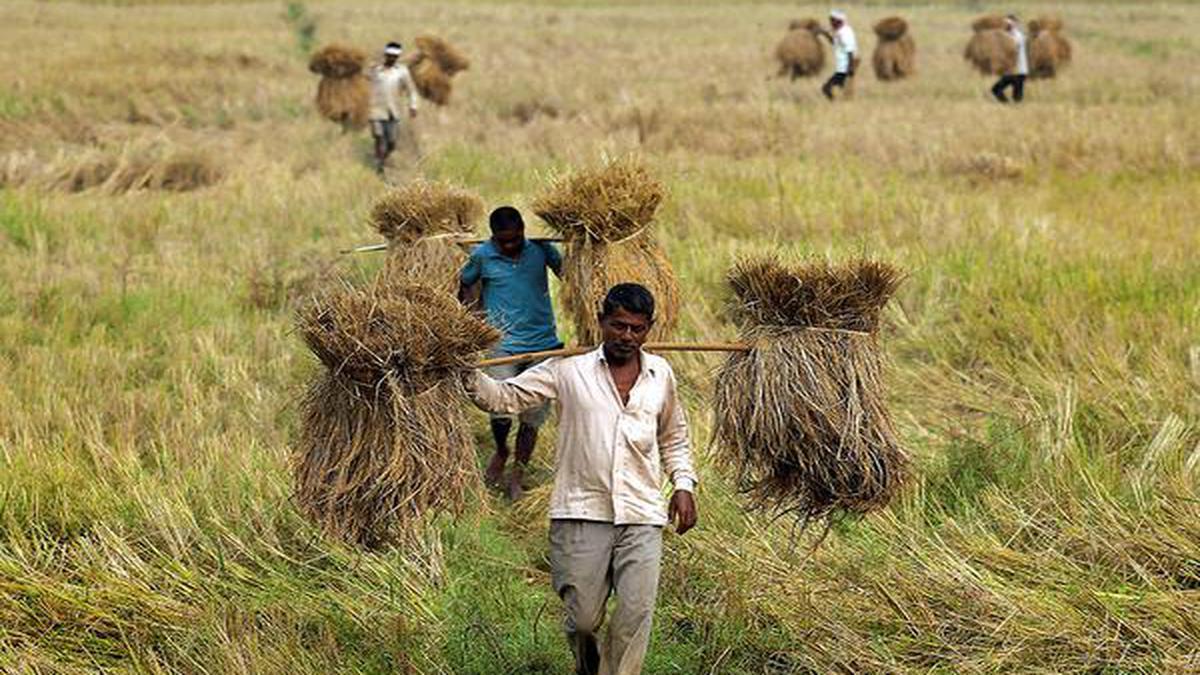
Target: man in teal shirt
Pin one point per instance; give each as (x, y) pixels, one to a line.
(516, 297)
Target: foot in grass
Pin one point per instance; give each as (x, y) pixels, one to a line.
(515, 490)
(495, 469)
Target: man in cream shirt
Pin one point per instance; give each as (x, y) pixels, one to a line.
(387, 80)
(621, 426)
(845, 53)
(1015, 79)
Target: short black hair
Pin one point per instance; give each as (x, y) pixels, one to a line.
(633, 298)
(392, 44)
(505, 218)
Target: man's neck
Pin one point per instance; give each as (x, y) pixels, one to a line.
(617, 362)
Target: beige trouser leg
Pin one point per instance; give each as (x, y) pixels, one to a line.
(587, 561)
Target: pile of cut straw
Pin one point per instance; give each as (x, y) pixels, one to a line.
(1049, 51)
(343, 94)
(422, 221)
(384, 443)
(895, 52)
(991, 50)
(604, 216)
(800, 53)
(801, 418)
(432, 65)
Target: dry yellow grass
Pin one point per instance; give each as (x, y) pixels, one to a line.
(1045, 354)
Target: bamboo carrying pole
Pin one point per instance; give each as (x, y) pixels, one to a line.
(649, 346)
(462, 240)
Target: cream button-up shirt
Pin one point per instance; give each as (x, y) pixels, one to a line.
(610, 457)
(386, 84)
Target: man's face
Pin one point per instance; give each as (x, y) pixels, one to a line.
(509, 241)
(624, 332)
(389, 60)
(836, 23)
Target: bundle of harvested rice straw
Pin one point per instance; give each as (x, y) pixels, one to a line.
(801, 418)
(384, 443)
(1049, 51)
(991, 50)
(895, 52)
(800, 53)
(432, 65)
(343, 94)
(604, 216)
(422, 221)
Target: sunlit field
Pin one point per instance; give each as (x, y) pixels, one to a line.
(169, 196)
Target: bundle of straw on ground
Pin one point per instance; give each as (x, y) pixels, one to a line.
(800, 52)
(801, 418)
(384, 442)
(421, 221)
(1049, 51)
(343, 94)
(432, 65)
(604, 216)
(992, 52)
(895, 52)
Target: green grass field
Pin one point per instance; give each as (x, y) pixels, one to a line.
(1045, 348)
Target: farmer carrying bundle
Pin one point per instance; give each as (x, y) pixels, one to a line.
(433, 64)
(389, 80)
(343, 94)
(422, 222)
(1000, 51)
(604, 215)
(801, 417)
(895, 52)
(384, 443)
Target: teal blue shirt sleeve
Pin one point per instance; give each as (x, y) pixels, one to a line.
(472, 271)
(553, 257)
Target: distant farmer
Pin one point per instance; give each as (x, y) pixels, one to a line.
(845, 53)
(387, 81)
(621, 425)
(1016, 79)
(515, 295)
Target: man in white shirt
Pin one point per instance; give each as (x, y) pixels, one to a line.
(1016, 79)
(845, 53)
(621, 424)
(387, 80)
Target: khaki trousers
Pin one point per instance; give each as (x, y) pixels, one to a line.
(588, 560)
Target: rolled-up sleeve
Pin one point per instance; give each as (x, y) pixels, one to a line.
(515, 395)
(674, 445)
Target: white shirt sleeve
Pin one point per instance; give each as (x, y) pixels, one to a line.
(411, 87)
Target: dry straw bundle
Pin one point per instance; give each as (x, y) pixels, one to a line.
(343, 94)
(992, 52)
(895, 52)
(432, 65)
(421, 221)
(801, 417)
(800, 53)
(604, 216)
(384, 442)
(1049, 51)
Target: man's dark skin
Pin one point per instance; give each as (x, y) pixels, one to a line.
(509, 242)
(624, 333)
